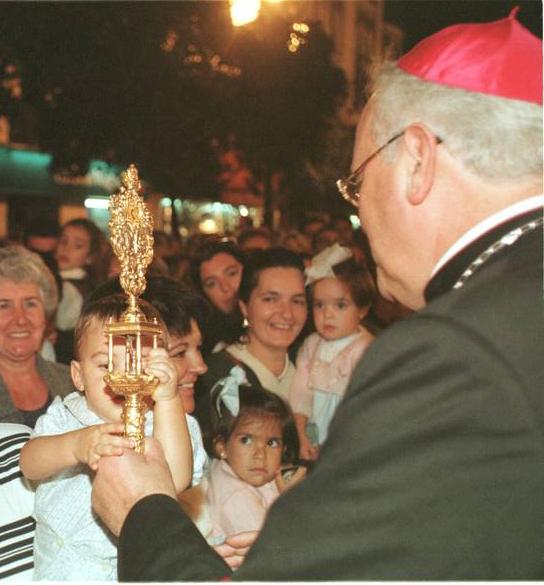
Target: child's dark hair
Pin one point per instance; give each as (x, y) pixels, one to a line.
(358, 279)
(104, 308)
(254, 401)
(176, 303)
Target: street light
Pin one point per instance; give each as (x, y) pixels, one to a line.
(244, 11)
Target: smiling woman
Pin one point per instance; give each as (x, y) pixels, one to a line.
(273, 301)
(28, 299)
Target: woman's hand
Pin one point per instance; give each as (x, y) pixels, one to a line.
(159, 364)
(285, 483)
(96, 441)
(234, 549)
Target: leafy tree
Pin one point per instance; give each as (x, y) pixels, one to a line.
(161, 83)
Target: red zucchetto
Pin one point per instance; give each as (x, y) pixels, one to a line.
(500, 58)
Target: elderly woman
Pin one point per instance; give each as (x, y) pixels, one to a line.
(28, 300)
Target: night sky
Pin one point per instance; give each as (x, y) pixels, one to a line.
(420, 18)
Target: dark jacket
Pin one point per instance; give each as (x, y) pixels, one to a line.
(434, 464)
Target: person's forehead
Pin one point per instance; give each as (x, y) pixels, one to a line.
(93, 334)
(217, 263)
(330, 286)
(193, 336)
(280, 278)
(259, 424)
(10, 288)
(76, 231)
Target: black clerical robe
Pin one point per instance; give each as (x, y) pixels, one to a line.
(434, 464)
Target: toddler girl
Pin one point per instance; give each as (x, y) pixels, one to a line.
(341, 293)
(69, 440)
(252, 435)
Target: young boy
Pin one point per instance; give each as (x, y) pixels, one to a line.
(70, 439)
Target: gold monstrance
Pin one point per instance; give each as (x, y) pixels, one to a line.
(131, 229)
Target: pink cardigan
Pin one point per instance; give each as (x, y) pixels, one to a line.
(233, 504)
(312, 373)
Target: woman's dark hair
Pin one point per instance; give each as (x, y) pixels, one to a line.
(206, 252)
(176, 303)
(260, 260)
(358, 279)
(254, 401)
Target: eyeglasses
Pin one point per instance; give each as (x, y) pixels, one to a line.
(349, 187)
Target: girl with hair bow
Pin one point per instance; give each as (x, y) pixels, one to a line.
(341, 292)
(251, 440)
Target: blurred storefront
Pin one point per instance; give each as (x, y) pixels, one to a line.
(188, 217)
(28, 190)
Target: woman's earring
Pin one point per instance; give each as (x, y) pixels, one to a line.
(223, 455)
(245, 323)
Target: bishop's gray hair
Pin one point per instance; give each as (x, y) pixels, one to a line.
(495, 138)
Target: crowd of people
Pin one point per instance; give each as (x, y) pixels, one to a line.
(234, 322)
(298, 430)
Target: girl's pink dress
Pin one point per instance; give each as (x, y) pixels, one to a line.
(234, 505)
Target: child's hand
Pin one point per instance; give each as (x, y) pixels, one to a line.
(291, 479)
(99, 440)
(307, 449)
(159, 364)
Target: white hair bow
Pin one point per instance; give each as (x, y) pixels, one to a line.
(323, 263)
(229, 395)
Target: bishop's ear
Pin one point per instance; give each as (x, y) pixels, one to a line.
(421, 147)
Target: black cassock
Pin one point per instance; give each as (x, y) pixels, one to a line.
(434, 464)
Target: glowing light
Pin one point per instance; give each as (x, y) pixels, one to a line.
(166, 202)
(96, 203)
(301, 27)
(170, 41)
(244, 212)
(298, 37)
(244, 11)
(208, 226)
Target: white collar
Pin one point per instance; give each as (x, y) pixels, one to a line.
(486, 225)
(73, 273)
